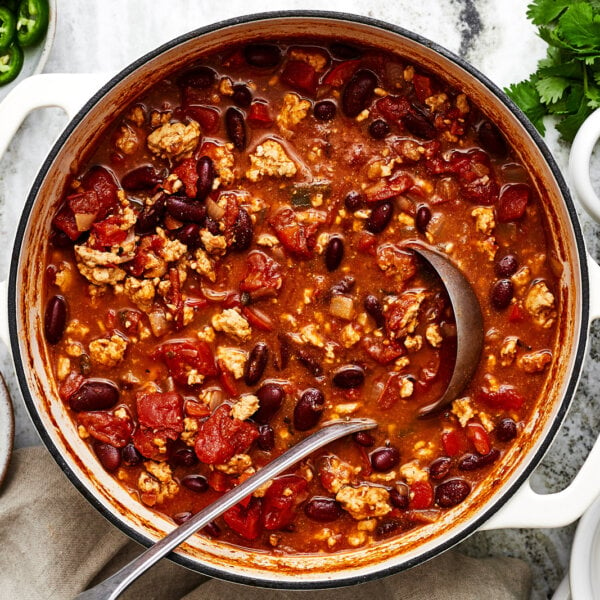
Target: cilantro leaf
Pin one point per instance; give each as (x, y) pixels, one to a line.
(542, 12)
(568, 126)
(580, 26)
(551, 89)
(528, 99)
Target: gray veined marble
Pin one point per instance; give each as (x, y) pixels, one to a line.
(494, 36)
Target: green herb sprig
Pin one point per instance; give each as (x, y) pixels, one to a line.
(567, 82)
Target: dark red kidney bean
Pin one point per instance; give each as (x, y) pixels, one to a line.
(380, 217)
(242, 96)
(212, 226)
(386, 528)
(506, 430)
(374, 308)
(270, 397)
(256, 363)
(206, 177)
(195, 483)
(55, 319)
(131, 456)
(182, 517)
(151, 216)
(378, 129)
(343, 286)
(308, 409)
(417, 122)
(440, 467)
(212, 529)
(399, 499)
(59, 239)
(450, 493)
(471, 462)
(94, 394)
(243, 230)
(322, 509)
(358, 91)
(236, 127)
(491, 139)
(324, 110)
(263, 56)
(348, 377)
(343, 51)
(334, 253)
(142, 178)
(308, 361)
(502, 293)
(109, 456)
(189, 235)
(183, 457)
(363, 438)
(507, 266)
(186, 210)
(354, 200)
(422, 218)
(200, 77)
(266, 438)
(384, 459)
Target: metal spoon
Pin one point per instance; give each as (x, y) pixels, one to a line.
(111, 588)
(469, 324)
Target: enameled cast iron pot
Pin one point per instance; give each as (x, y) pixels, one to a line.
(504, 500)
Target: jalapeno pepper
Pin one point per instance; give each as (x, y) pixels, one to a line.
(11, 63)
(8, 28)
(32, 22)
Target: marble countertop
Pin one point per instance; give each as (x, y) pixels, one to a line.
(494, 36)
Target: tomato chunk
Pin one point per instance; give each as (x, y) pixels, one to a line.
(259, 114)
(479, 437)
(341, 73)
(245, 521)
(262, 277)
(107, 428)
(185, 358)
(506, 398)
(298, 240)
(301, 76)
(454, 442)
(160, 411)
(186, 171)
(281, 499)
(513, 202)
(420, 495)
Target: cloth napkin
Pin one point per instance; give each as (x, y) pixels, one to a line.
(54, 545)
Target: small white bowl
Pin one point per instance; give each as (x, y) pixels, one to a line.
(7, 428)
(584, 572)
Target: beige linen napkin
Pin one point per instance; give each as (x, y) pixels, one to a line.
(53, 545)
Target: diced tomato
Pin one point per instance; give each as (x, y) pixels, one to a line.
(422, 85)
(392, 108)
(517, 314)
(259, 114)
(301, 76)
(262, 277)
(454, 442)
(64, 220)
(299, 240)
(151, 444)
(395, 260)
(183, 356)
(506, 398)
(196, 409)
(479, 437)
(281, 499)
(512, 202)
(420, 495)
(257, 318)
(108, 232)
(245, 521)
(150, 244)
(235, 59)
(129, 320)
(227, 379)
(219, 482)
(382, 353)
(341, 73)
(70, 385)
(85, 207)
(103, 182)
(366, 243)
(391, 392)
(385, 189)
(107, 428)
(207, 117)
(221, 436)
(160, 411)
(186, 171)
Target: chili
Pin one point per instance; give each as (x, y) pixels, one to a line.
(32, 22)
(11, 63)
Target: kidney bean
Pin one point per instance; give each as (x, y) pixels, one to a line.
(186, 210)
(399, 499)
(334, 253)
(507, 266)
(324, 110)
(310, 362)
(380, 217)
(471, 462)
(142, 178)
(243, 230)
(308, 409)
(205, 169)
(236, 127)
(151, 216)
(506, 430)
(349, 376)
(440, 467)
(109, 456)
(358, 91)
(242, 96)
(263, 56)
(384, 459)
(182, 517)
(183, 457)
(363, 438)
(212, 226)
(422, 218)
(375, 309)
(378, 129)
(450, 493)
(195, 483)
(200, 77)
(491, 139)
(322, 509)
(270, 397)
(387, 528)
(354, 200)
(418, 123)
(343, 51)
(266, 438)
(343, 286)
(256, 363)
(131, 456)
(189, 235)
(55, 319)
(212, 529)
(502, 293)
(94, 394)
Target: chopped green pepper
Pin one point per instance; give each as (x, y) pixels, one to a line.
(8, 28)
(11, 63)
(32, 22)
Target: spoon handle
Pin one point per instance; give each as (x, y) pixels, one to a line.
(111, 588)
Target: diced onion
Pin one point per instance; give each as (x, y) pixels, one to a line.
(342, 307)
(214, 210)
(84, 221)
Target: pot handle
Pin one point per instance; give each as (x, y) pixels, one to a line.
(527, 508)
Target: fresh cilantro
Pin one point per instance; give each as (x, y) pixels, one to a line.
(567, 82)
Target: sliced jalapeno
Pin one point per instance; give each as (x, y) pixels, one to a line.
(8, 28)
(11, 63)
(32, 22)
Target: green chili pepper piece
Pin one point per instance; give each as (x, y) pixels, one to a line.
(32, 23)
(8, 28)
(11, 63)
